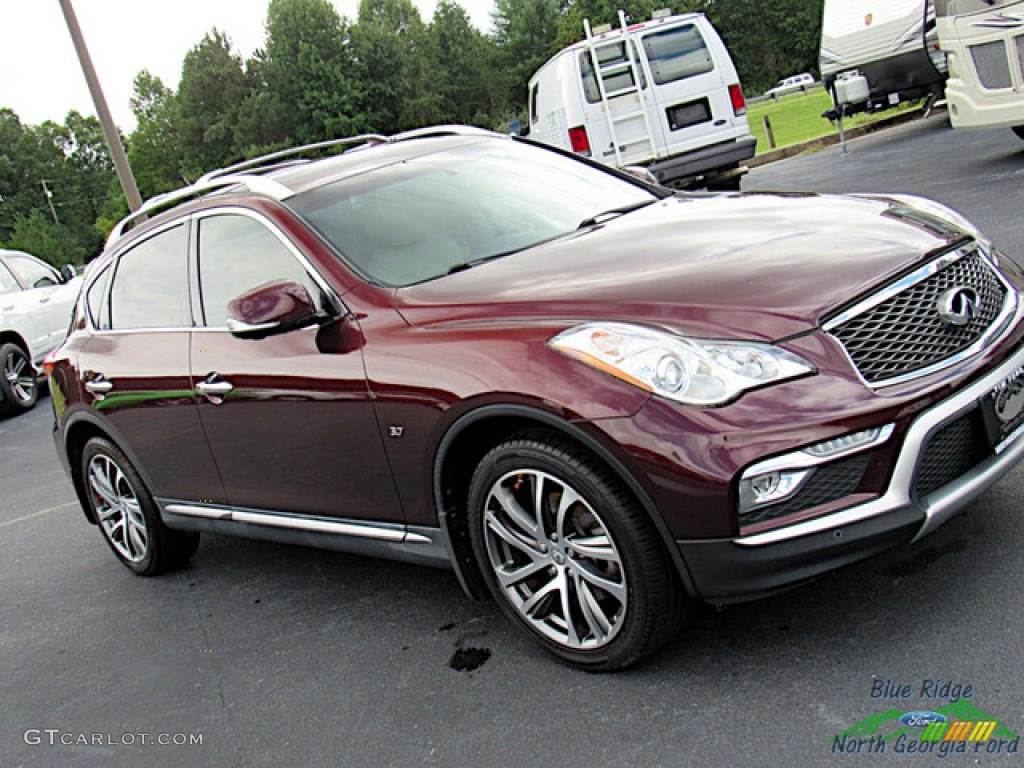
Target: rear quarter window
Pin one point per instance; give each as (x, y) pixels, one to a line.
(677, 53)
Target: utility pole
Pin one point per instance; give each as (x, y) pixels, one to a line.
(49, 201)
(117, 153)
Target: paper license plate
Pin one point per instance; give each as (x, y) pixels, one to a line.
(1003, 411)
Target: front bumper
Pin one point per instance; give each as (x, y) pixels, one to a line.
(970, 108)
(747, 566)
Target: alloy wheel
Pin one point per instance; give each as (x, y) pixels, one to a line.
(554, 559)
(20, 376)
(117, 509)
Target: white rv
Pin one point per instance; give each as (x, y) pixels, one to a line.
(662, 94)
(984, 42)
(891, 43)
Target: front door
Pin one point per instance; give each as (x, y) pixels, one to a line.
(289, 419)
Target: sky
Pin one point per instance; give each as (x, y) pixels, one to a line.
(41, 79)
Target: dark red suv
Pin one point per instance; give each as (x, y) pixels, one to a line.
(599, 400)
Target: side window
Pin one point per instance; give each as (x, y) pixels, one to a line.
(33, 273)
(677, 53)
(150, 286)
(96, 300)
(617, 76)
(7, 282)
(534, 113)
(237, 254)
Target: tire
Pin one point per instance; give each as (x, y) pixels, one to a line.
(1019, 130)
(591, 553)
(127, 515)
(732, 184)
(19, 385)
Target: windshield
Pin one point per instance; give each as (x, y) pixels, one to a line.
(417, 220)
(964, 7)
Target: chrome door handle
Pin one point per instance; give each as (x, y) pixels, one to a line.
(99, 387)
(215, 388)
(44, 299)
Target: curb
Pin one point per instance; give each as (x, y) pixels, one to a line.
(813, 145)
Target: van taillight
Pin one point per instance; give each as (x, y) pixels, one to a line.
(580, 142)
(739, 104)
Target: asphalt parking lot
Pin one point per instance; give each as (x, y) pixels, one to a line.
(269, 655)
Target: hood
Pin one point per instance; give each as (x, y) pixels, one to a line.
(752, 266)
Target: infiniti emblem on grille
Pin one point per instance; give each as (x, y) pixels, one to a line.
(958, 306)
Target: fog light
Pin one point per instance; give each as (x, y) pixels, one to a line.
(771, 487)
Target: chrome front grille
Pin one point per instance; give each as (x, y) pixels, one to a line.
(903, 335)
(992, 65)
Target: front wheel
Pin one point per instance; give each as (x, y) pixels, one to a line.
(569, 555)
(127, 514)
(19, 386)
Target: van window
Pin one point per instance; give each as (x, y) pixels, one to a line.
(534, 114)
(619, 79)
(677, 53)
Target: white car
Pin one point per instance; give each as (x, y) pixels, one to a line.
(35, 310)
(799, 82)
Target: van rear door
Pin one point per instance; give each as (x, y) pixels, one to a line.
(690, 72)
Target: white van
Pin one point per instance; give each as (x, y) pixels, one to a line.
(984, 40)
(891, 43)
(672, 104)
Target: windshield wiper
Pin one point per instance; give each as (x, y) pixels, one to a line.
(612, 213)
(462, 266)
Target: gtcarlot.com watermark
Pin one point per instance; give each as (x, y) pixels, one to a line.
(57, 737)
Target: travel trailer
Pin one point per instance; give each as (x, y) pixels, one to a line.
(662, 94)
(893, 44)
(984, 44)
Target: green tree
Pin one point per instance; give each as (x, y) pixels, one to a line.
(309, 72)
(212, 89)
(39, 235)
(465, 81)
(54, 180)
(525, 32)
(389, 46)
(768, 41)
(155, 150)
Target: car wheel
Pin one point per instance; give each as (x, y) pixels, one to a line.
(1019, 130)
(570, 556)
(127, 514)
(18, 385)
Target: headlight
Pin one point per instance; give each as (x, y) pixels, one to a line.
(690, 371)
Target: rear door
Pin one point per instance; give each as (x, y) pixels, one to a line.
(690, 78)
(27, 306)
(135, 367)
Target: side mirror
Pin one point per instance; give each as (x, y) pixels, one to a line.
(68, 273)
(270, 309)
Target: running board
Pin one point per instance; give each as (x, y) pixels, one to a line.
(393, 541)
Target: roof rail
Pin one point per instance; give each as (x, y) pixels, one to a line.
(257, 184)
(245, 173)
(263, 162)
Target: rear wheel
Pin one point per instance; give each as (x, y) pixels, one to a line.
(127, 514)
(569, 555)
(19, 386)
